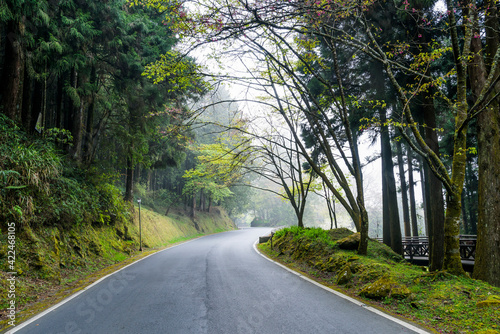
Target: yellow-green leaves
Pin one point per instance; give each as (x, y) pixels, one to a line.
(180, 72)
(218, 167)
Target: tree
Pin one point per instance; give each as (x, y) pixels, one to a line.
(392, 228)
(406, 68)
(484, 77)
(219, 166)
(404, 190)
(411, 190)
(282, 164)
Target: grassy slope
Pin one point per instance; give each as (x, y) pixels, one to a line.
(439, 301)
(53, 263)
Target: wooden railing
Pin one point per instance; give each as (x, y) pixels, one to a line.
(419, 247)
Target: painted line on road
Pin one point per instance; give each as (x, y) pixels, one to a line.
(64, 301)
(341, 295)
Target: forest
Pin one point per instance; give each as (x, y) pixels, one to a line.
(120, 87)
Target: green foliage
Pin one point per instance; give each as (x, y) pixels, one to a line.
(37, 186)
(6, 178)
(57, 135)
(309, 233)
(177, 70)
(217, 169)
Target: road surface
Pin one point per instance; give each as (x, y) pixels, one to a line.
(214, 284)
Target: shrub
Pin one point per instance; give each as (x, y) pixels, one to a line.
(39, 187)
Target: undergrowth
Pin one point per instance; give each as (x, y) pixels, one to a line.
(38, 187)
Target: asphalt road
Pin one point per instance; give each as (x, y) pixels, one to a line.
(215, 284)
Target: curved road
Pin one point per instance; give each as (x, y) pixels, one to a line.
(215, 284)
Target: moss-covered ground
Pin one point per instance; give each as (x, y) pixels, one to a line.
(53, 262)
(438, 301)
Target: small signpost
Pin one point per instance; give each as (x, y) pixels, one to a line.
(140, 227)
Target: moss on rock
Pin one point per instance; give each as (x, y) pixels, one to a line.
(350, 243)
(385, 287)
(344, 275)
(334, 263)
(339, 233)
(372, 272)
(492, 301)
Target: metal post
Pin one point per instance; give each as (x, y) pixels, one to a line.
(140, 227)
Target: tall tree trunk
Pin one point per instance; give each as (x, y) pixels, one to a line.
(330, 203)
(452, 259)
(300, 219)
(202, 200)
(392, 237)
(487, 259)
(334, 214)
(193, 206)
(28, 102)
(425, 195)
(386, 225)
(434, 191)
(329, 206)
(210, 200)
(411, 190)
(150, 173)
(88, 135)
(59, 119)
(68, 107)
(363, 222)
(465, 217)
(473, 198)
(76, 118)
(129, 182)
(77, 132)
(404, 190)
(13, 71)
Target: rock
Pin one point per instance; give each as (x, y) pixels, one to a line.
(334, 263)
(344, 275)
(264, 239)
(385, 287)
(339, 233)
(350, 243)
(490, 302)
(373, 272)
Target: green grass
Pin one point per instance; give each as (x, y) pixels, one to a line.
(439, 301)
